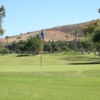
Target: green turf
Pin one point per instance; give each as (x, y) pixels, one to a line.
(52, 62)
(77, 85)
(61, 77)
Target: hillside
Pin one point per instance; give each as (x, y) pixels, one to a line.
(55, 33)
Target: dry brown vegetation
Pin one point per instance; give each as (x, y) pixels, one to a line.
(52, 34)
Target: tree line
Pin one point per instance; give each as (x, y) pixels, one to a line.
(33, 46)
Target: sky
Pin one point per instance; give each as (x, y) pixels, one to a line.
(24, 16)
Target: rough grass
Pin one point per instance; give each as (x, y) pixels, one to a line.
(61, 77)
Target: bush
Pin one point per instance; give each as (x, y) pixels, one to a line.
(4, 50)
(72, 52)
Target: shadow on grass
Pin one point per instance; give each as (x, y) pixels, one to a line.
(79, 58)
(22, 55)
(84, 63)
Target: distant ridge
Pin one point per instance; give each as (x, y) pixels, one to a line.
(55, 33)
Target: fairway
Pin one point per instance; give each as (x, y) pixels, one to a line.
(47, 54)
(61, 77)
(50, 62)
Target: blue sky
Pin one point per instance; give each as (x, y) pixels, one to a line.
(31, 15)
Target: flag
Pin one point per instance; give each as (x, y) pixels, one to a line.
(99, 10)
(42, 35)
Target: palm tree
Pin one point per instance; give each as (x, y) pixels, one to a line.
(6, 37)
(75, 38)
(75, 34)
(67, 37)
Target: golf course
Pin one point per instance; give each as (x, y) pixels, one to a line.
(60, 77)
(49, 50)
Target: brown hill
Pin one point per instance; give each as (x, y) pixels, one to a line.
(56, 33)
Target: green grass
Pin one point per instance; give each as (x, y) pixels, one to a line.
(52, 62)
(61, 77)
(70, 52)
(76, 85)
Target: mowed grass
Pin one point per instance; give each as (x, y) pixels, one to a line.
(50, 62)
(61, 77)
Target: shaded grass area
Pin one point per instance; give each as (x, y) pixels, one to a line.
(74, 85)
(23, 55)
(82, 59)
(85, 63)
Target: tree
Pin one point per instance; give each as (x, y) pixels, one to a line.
(96, 37)
(90, 27)
(1, 47)
(2, 15)
(36, 45)
(19, 37)
(74, 38)
(20, 46)
(89, 30)
(48, 47)
(13, 46)
(3, 50)
(67, 37)
(54, 46)
(33, 44)
(96, 40)
(6, 37)
(75, 34)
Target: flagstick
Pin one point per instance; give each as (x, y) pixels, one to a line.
(41, 54)
(42, 37)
